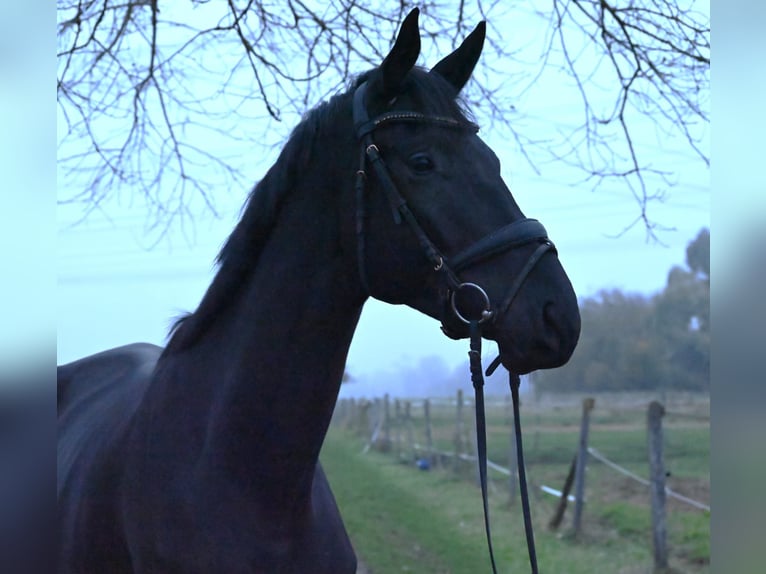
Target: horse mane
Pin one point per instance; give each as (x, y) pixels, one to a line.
(241, 251)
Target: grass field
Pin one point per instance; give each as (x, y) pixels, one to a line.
(405, 520)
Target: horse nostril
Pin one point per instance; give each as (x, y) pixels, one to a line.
(559, 328)
(549, 314)
(552, 321)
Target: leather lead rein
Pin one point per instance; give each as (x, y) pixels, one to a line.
(481, 440)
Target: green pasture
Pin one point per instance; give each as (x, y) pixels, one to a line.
(405, 520)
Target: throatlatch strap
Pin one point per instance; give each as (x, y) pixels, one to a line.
(361, 215)
(481, 432)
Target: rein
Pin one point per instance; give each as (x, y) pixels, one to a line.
(515, 234)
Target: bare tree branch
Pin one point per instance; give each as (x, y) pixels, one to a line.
(141, 84)
(659, 54)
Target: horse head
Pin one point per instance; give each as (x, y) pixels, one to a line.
(438, 228)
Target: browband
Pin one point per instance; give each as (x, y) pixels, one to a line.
(364, 125)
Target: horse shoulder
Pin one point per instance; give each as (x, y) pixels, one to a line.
(98, 396)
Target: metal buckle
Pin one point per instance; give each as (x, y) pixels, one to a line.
(486, 314)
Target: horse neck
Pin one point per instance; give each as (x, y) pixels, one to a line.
(275, 359)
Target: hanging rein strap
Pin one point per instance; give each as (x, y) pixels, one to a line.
(477, 379)
(514, 382)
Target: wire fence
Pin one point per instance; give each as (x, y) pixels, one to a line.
(438, 433)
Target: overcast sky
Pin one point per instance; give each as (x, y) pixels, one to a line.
(114, 290)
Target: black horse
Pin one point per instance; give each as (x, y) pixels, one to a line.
(202, 457)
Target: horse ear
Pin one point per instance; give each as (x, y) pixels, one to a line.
(458, 66)
(402, 57)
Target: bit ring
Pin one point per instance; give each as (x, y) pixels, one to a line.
(486, 314)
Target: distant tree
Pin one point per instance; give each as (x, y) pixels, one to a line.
(682, 316)
(698, 255)
(160, 101)
(632, 342)
(615, 346)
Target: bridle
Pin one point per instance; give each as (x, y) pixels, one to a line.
(516, 234)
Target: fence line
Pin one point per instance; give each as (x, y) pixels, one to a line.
(621, 469)
(581, 463)
(394, 425)
(461, 455)
(556, 493)
(373, 437)
(394, 432)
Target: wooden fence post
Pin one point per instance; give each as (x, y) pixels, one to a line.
(558, 516)
(582, 459)
(374, 420)
(386, 423)
(458, 442)
(429, 436)
(397, 427)
(364, 419)
(657, 486)
(408, 429)
(352, 417)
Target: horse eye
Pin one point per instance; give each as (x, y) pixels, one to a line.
(421, 162)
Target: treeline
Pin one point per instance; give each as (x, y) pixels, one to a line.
(634, 342)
